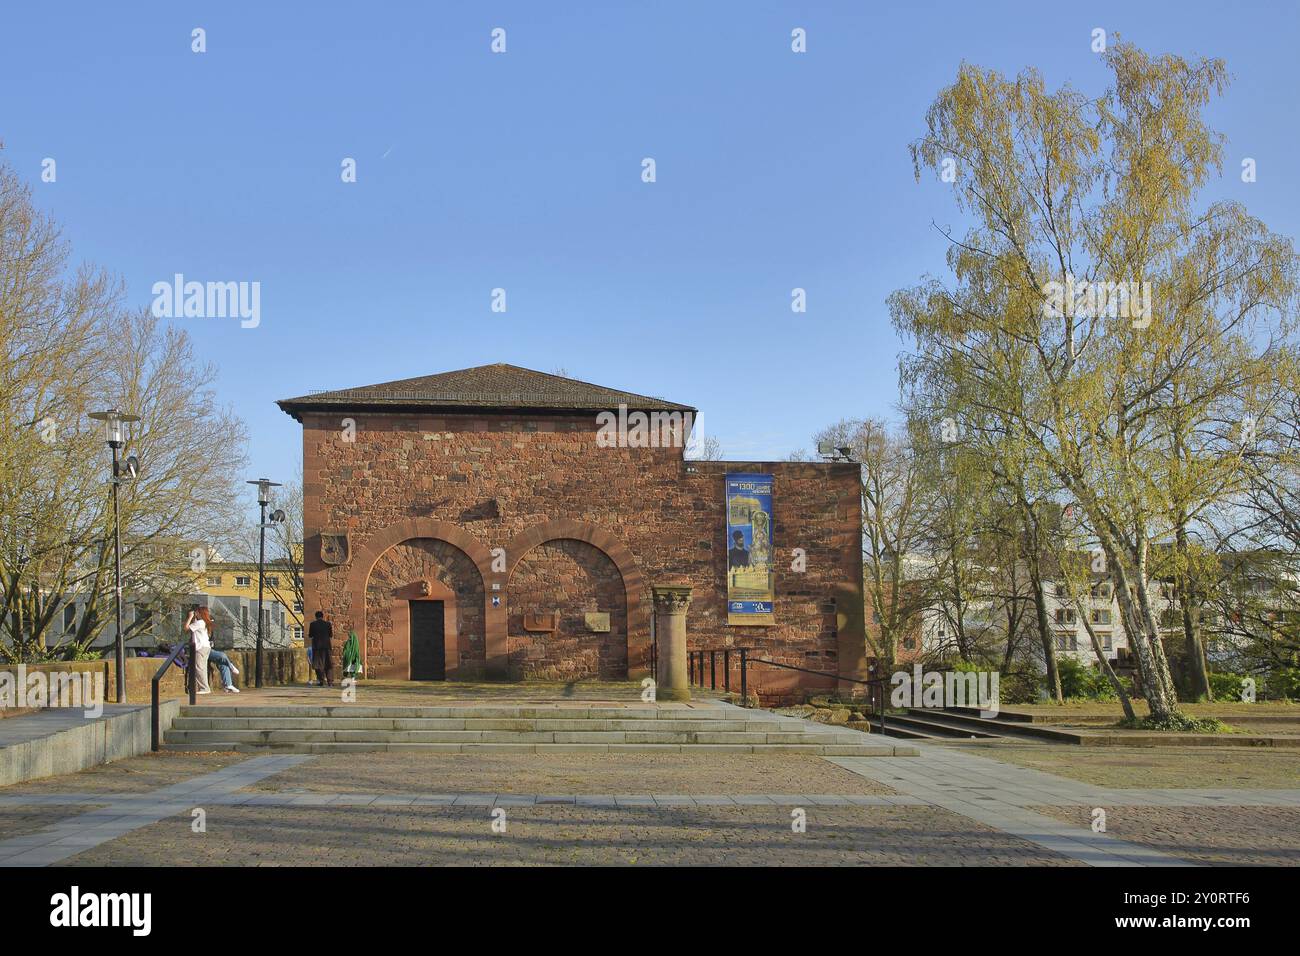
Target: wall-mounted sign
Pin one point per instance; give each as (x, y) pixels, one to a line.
(751, 574)
(548, 621)
(597, 622)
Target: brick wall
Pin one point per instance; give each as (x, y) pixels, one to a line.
(463, 485)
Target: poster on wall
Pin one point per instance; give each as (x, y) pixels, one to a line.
(751, 574)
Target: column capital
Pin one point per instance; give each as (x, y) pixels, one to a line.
(672, 598)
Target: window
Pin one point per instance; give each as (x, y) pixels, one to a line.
(69, 618)
(214, 580)
(1065, 615)
(297, 606)
(143, 617)
(909, 643)
(1066, 642)
(1061, 590)
(1100, 616)
(297, 634)
(243, 582)
(1100, 590)
(272, 580)
(1105, 640)
(243, 617)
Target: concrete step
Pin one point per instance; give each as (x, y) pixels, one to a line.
(477, 711)
(215, 739)
(904, 733)
(825, 750)
(481, 724)
(1002, 728)
(936, 725)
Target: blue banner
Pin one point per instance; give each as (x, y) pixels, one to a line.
(751, 575)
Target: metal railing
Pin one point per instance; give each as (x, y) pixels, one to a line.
(695, 669)
(191, 686)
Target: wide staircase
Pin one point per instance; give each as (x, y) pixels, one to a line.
(523, 727)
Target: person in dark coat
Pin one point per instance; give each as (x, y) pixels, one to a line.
(320, 634)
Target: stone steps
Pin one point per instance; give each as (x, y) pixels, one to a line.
(492, 711)
(210, 737)
(482, 724)
(513, 728)
(824, 750)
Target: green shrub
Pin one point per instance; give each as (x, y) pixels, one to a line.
(1081, 682)
(1019, 688)
(1226, 686)
(1284, 683)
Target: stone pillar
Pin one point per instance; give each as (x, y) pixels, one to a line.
(671, 604)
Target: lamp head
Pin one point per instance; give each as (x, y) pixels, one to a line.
(264, 486)
(114, 432)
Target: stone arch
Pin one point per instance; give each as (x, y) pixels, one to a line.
(403, 531)
(634, 586)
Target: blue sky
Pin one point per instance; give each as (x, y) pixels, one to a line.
(523, 171)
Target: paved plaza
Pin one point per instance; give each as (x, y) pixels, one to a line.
(950, 805)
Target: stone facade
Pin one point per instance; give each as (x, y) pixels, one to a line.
(524, 525)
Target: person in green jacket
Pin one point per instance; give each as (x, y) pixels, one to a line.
(352, 656)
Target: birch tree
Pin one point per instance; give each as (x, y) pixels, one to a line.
(1086, 251)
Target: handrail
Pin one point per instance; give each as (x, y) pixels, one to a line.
(190, 674)
(746, 660)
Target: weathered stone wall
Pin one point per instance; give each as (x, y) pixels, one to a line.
(514, 482)
(573, 578)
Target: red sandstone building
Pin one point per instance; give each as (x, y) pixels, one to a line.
(478, 525)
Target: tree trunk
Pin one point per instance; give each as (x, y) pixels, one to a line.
(1197, 679)
(1045, 635)
(1104, 664)
(1033, 553)
(1144, 638)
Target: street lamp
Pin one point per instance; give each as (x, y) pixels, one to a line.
(264, 486)
(113, 433)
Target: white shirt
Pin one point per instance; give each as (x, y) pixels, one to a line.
(200, 632)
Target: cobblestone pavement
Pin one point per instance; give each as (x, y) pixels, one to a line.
(1164, 767)
(571, 773)
(132, 775)
(125, 814)
(23, 819)
(950, 806)
(1217, 836)
(572, 835)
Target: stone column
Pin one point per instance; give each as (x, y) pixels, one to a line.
(671, 604)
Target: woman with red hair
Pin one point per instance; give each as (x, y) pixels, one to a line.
(199, 623)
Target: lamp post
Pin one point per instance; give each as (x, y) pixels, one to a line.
(113, 433)
(264, 486)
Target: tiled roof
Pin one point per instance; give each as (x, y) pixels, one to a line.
(487, 387)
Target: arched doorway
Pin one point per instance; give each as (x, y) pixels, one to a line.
(568, 614)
